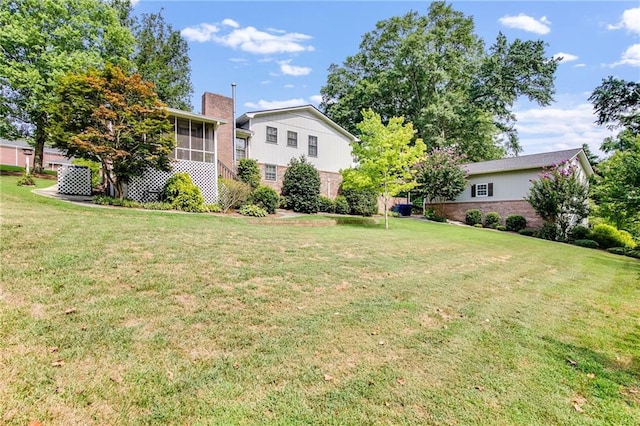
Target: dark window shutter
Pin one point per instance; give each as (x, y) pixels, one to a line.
(490, 189)
(473, 190)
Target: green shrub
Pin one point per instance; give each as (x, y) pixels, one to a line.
(635, 253)
(341, 205)
(326, 204)
(110, 201)
(284, 203)
(549, 231)
(182, 193)
(618, 250)
(608, 236)
(213, 208)
(232, 193)
(265, 197)
(587, 243)
(301, 186)
(252, 210)
(26, 180)
(441, 219)
(515, 222)
(501, 228)
(527, 232)
(478, 225)
(492, 219)
(249, 172)
(473, 217)
(579, 232)
(361, 202)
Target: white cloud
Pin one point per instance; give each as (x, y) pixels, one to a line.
(631, 56)
(527, 23)
(566, 57)
(265, 82)
(293, 70)
(262, 104)
(555, 128)
(201, 33)
(316, 99)
(239, 60)
(230, 23)
(630, 21)
(249, 39)
(288, 86)
(580, 65)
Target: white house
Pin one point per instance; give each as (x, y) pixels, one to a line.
(274, 137)
(501, 185)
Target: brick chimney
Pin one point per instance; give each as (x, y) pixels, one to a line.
(219, 106)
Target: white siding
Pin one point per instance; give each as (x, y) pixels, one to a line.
(507, 186)
(334, 150)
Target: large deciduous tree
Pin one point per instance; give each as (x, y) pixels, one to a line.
(386, 156)
(162, 56)
(115, 119)
(616, 189)
(42, 40)
(434, 71)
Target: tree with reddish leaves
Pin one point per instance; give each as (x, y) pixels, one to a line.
(112, 118)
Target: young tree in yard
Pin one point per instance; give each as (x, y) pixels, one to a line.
(42, 40)
(441, 177)
(112, 118)
(301, 186)
(249, 172)
(559, 197)
(434, 71)
(386, 158)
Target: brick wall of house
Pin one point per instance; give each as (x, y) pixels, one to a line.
(219, 106)
(456, 211)
(329, 181)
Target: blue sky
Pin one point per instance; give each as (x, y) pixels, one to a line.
(278, 52)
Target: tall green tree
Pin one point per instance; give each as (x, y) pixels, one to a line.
(162, 57)
(616, 189)
(42, 40)
(433, 70)
(112, 118)
(386, 156)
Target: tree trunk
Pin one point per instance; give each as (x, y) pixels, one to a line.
(38, 154)
(386, 212)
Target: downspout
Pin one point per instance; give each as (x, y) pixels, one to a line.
(233, 123)
(215, 159)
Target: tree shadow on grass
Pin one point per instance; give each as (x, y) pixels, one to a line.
(361, 222)
(603, 377)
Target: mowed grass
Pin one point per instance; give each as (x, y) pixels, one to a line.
(116, 316)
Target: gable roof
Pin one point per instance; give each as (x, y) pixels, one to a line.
(309, 108)
(196, 117)
(533, 161)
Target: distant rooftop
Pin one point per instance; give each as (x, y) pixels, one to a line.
(533, 161)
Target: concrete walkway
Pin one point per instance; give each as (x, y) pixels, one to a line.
(52, 192)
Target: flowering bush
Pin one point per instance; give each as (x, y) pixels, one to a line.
(440, 177)
(559, 197)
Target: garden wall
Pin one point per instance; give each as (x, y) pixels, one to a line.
(456, 211)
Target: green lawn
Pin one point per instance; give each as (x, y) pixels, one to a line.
(116, 316)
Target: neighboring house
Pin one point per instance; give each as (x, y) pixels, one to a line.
(501, 185)
(12, 154)
(273, 137)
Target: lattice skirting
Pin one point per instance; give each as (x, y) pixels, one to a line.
(149, 186)
(74, 180)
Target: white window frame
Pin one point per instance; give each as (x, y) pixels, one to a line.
(484, 192)
(271, 176)
(315, 139)
(292, 136)
(272, 135)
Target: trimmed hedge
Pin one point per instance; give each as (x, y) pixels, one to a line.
(183, 194)
(252, 210)
(341, 205)
(492, 220)
(326, 204)
(473, 217)
(587, 243)
(515, 222)
(609, 236)
(527, 232)
(265, 197)
(579, 232)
